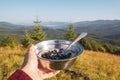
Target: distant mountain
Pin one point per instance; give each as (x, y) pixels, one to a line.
(101, 28)
(96, 23)
(56, 25)
(9, 25)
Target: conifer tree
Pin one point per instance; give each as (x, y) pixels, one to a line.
(71, 35)
(86, 44)
(27, 40)
(9, 40)
(97, 46)
(38, 34)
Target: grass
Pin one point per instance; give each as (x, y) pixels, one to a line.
(94, 65)
(10, 60)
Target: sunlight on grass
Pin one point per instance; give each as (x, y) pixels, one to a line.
(11, 59)
(95, 65)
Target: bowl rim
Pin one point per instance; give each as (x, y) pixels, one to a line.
(80, 52)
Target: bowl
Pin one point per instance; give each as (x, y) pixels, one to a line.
(57, 64)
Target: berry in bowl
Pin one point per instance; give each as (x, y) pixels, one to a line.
(52, 54)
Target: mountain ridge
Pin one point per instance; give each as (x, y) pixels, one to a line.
(109, 29)
(62, 24)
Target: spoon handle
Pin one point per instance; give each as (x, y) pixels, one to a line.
(82, 35)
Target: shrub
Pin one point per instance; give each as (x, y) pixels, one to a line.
(8, 41)
(70, 35)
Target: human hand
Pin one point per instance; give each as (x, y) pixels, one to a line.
(30, 66)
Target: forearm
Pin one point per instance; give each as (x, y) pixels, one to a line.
(34, 75)
(19, 75)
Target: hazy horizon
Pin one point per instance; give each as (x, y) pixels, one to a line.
(54, 22)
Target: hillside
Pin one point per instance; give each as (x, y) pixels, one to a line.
(93, 65)
(8, 25)
(102, 30)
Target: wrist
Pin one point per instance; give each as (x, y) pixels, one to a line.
(32, 74)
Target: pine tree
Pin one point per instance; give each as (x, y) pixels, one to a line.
(97, 46)
(38, 34)
(71, 35)
(10, 41)
(27, 40)
(86, 44)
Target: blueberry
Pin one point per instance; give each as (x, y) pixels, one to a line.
(55, 51)
(69, 54)
(61, 49)
(56, 54)
(43, 55)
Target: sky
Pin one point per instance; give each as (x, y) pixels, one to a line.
(25, 11)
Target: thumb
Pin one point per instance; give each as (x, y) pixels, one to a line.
(31, 53)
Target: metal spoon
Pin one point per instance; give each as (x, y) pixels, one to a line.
(82, 35)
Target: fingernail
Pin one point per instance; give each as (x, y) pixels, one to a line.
(54, 72)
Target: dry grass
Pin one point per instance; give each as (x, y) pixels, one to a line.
(95, 65)
(10, 60)
(98, 66)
